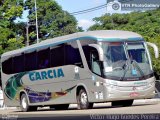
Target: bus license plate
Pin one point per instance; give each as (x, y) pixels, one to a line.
(134, 94)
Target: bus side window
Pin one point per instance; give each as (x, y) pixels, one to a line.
(95, 63)
(57, 55)
(43, 59)
(86, 50)
(72, 54)
(31, 61)
(18, 64)
(7, 66)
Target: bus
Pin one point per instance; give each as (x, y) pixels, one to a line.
(81, 68)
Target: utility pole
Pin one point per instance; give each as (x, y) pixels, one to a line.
(36, 21)
(27, 31)
(27, 27)
(106, 5)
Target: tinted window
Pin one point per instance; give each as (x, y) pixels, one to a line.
(18, 64)
(92, 58)
(43, 59)
(138, 55)
(87, 51)
(57, 55)
(73, 55)
(96, 64)
(60, 55)
(31, 61)
(7, 66)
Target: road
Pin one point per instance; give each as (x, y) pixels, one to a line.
(146, 110)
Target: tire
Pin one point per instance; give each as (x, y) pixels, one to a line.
(24, 104)
(122, 103)
(82, 100)
(60, 107)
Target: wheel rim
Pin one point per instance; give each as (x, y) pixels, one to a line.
(24, 103)
(84, 98)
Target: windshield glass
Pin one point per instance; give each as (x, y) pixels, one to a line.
(126, 60)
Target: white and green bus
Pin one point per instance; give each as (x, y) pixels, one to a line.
(83, 68)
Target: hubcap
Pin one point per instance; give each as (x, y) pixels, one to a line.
(24, 104)
(84, 98)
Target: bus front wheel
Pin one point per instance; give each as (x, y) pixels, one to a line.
(24, 104)
(82, 100)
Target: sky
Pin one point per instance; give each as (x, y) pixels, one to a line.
(84, 20)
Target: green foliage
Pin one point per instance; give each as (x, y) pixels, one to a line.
(80, 29)
(9, 11)
(145, 23)
(156, 63)
(14, 43)
(52, 20)
(13, 12)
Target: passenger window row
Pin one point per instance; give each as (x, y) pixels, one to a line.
(60, 55)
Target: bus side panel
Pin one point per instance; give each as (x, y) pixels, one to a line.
(57, 90)
(63, 90)
(47, 86)
(10, 92)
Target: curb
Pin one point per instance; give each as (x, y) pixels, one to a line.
(154, 100)
(8, 108)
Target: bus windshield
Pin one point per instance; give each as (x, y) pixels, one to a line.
(126, 60)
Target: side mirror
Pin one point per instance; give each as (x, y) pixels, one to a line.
(156, 52)
(99, 49)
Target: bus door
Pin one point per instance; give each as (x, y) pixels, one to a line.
(96, 65)
(97, 72)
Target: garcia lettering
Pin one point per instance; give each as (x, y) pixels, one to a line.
(43, 75)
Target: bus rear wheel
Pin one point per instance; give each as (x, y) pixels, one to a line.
(123, 103)
(24, 104)
(82, 100)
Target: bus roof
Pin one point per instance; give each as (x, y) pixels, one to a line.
(99, 35)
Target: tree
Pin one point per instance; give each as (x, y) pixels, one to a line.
(145, 23)
(9, 39)
(9, 11)
(80, 29)
(52, 20)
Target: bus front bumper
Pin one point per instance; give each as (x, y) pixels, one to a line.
(114, 93)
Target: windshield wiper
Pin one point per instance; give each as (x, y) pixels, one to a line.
(126, 65)
(136, 64)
